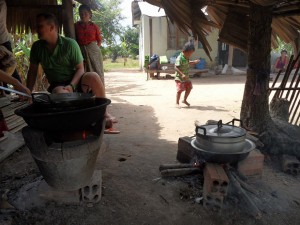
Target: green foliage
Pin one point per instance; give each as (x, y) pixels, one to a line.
(22, 52)
(115, 51)
(282, 45)
(119, 64)
(108, 19)
(130, 41)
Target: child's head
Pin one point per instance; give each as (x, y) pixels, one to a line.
(284, 52)
(188, 49)
(85, 13)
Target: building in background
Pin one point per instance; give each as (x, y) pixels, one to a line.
(159, 36)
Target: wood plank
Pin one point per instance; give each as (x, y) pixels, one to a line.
(4, 101)
(15, 124)
(10, 110)
(15, 130)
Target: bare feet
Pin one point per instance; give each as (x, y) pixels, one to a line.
(112, 118)
(185, 102)
(178, 106)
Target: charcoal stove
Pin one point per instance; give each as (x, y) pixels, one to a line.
(65, 144)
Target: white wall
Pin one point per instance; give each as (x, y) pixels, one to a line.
(160, 38)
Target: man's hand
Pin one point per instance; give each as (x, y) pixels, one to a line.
(20, 87)
(68, 88)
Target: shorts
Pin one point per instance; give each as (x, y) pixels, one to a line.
(65, 83)
(182, 86)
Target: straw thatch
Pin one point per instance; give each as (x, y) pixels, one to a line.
(21, 14)
(231, 16)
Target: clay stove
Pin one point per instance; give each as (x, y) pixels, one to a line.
(65, 145)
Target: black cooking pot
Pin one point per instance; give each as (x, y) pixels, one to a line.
(70, 120)
(44, 102)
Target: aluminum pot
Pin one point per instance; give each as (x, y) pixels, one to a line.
(220, 157)
(221, 138)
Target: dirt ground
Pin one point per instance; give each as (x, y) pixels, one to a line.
(150, 125)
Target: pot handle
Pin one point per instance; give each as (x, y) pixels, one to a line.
(202, 128)
(241, 123)
(36, 99)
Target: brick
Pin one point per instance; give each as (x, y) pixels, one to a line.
(290, 164)
(215, 180)
(92, 192)
(212, 201)
(185, 151)
(253, 165)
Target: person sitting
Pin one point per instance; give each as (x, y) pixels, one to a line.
(154, 64)
(281, 62)
(62, 62)
(5, 37)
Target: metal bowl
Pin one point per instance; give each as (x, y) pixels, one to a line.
(223, 157)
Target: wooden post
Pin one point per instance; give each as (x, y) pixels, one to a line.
(68, 20)
(255, 106)
(151, 36)
(230, 59)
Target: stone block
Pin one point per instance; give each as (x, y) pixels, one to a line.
(253, 165)
(185, 151)
(48, 193)
(92, 192)
(290, 164)
(215, 180)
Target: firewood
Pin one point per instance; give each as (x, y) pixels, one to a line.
(253, 210)
(179, 172)
(178, 166)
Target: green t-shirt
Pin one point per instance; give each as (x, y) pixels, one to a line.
(59, 66)
(183, 65)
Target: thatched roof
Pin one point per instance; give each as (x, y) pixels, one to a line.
(21, 13)
(231, 17)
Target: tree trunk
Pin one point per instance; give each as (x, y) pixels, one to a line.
(68, 21)
(255, 106)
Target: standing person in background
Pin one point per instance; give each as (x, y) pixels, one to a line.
(282, 62)
(182, 79)
(5, 36)
(88, 36)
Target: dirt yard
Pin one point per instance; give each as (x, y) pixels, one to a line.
(133, 192)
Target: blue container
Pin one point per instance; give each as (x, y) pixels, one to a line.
(201, 64)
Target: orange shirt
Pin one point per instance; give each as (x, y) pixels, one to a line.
(87, 33)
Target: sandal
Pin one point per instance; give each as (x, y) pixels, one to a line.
(111, 131)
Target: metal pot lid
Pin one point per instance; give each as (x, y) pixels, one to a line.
(220, 130)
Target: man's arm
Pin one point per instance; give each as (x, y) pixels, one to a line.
(76, 78)
(31, 76)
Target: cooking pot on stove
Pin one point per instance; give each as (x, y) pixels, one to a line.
(221, 138)
(44, 102)
(66, 120)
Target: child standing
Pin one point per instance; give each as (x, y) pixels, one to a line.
(182, 80)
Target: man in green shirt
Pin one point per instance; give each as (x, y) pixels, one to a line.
(62, 62)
